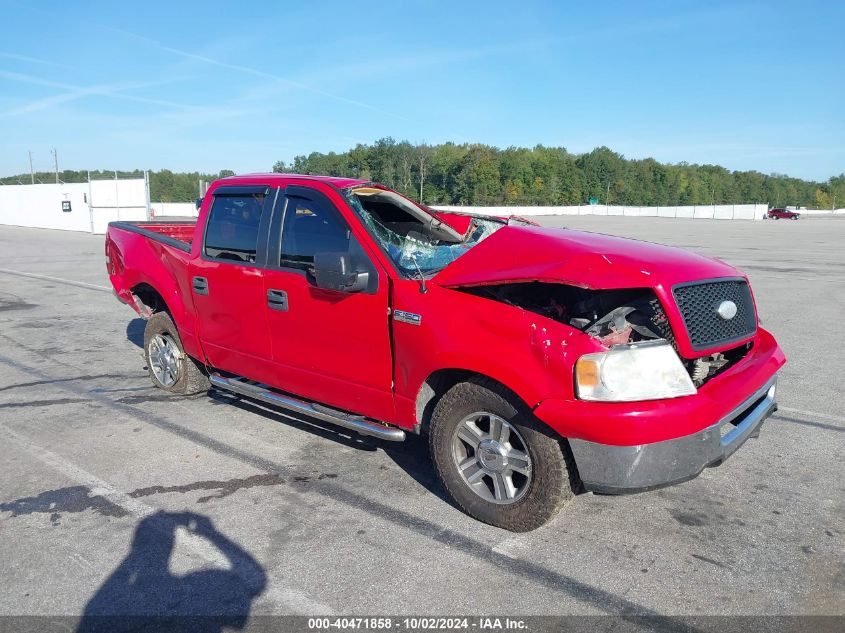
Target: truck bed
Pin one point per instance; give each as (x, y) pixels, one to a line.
(178, 233)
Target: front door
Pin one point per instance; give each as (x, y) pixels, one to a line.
(328, 346)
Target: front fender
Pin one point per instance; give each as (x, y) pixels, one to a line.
(529, 354)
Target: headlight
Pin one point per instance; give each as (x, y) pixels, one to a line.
(641, 371)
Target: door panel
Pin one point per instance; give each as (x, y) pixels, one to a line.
(233, 326)
(227, 282)
(328, 346)
(332, 347)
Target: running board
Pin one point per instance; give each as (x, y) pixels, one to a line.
(326, 414)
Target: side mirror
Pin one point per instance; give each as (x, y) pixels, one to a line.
(198, 202)
(333, 271)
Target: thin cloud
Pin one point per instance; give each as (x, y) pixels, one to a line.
(104, 90)
(398, 65)
(410, 63)
(32, 60)
(252, 71)
(113, 91)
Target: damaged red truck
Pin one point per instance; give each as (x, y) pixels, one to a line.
(538, 361)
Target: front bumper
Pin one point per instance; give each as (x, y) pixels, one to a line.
(622, 469)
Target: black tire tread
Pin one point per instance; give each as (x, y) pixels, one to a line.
(553, 482)
(192, 379)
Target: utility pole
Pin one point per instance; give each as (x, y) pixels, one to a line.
(607, 195)
(31, 173)
(90, 203)
(56, 163)
(147, 193)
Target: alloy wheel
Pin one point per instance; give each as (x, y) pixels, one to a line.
(492, 458)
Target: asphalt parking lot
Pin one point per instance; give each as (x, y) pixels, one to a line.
(114, 495)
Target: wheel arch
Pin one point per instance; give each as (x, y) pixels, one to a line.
(440, 381)
(149, 300)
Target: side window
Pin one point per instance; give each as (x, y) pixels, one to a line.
(310, 227)
(232, 229)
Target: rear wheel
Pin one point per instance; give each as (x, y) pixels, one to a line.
(170, 367)
(499, 464)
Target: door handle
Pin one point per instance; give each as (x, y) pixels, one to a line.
(277, 300)
(200, 285)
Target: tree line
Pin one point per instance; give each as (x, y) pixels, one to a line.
(474, 174)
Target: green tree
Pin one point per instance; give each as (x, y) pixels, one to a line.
(823, 199)
(478, 180)
(449, 173)
(836, 189)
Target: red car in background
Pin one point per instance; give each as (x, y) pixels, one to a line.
(786, 214)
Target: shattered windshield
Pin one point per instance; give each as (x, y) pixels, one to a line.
(415, 245)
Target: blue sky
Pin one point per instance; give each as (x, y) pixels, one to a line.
(210, 86)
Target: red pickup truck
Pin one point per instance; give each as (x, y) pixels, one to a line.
(539, 362)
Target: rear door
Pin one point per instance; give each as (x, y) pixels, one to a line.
(328, 346)
(227, 281)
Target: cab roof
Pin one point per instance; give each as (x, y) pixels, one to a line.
(335, 181)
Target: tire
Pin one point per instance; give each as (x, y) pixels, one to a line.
(521, 502)
(170, 367)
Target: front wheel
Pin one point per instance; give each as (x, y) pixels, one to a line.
(498, 463)
(170, 367)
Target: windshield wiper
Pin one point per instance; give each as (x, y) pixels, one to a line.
(423, 289)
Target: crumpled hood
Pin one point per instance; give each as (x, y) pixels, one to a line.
(578, 258)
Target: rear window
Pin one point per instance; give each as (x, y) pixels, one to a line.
(232, 229)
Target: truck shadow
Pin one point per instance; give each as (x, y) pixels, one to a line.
(411, 456)
(135, 332)
(143, 593)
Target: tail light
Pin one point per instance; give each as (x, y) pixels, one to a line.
(114, 262)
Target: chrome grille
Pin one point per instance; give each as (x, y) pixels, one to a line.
(699, 302)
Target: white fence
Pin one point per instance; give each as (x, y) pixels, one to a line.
(709, 212)
(46, 206)
(173, 209)
(88, 206)
(821, 211)
(92, 205)
(112, 200)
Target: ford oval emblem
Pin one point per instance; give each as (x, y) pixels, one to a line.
(726, 310)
